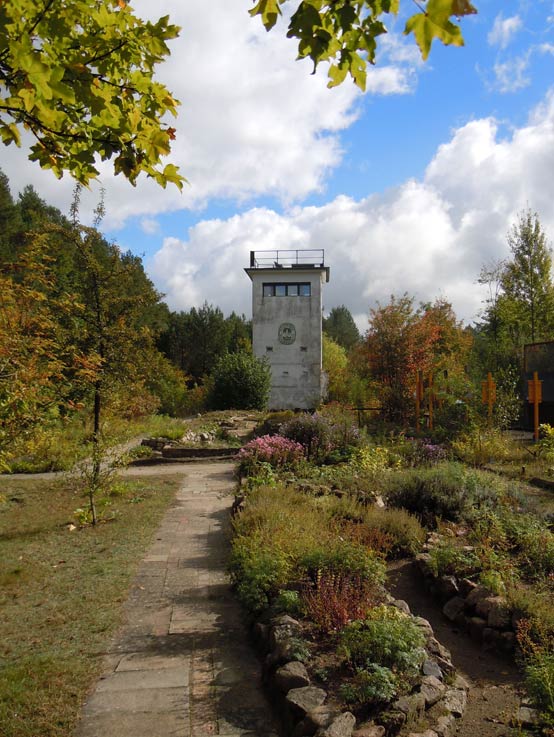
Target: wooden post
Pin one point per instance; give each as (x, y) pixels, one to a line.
(488, 395)
(430, 401)
(534, 390)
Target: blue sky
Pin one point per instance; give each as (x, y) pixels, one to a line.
(410, 187)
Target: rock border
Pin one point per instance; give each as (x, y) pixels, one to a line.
(486, 616)
(303, 707)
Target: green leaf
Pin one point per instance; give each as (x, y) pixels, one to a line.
(84, 82)
(269, 10)
(434, 23)
(337, 74)
(10, 134)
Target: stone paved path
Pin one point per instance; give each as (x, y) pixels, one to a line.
(182, 665)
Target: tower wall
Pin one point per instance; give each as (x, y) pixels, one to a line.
(286, 325)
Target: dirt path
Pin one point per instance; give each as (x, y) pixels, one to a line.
(182, 665)
(493, 697)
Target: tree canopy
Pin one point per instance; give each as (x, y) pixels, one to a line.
(527, 278)
(340, 326)
(345, 32)
(520, 304)
(78, 76)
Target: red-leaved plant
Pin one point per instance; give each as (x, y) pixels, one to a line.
(338, 598)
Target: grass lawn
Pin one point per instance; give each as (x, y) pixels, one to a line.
(61, 593)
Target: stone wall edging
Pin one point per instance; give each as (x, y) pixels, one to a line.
(303, 705)
(486, 616)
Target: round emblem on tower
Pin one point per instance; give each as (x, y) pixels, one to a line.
(287, 333)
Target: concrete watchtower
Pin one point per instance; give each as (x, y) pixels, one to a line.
(286, 323)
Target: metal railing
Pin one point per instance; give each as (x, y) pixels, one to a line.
(279, 259)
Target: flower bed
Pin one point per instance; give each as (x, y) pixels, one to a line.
(338, 651)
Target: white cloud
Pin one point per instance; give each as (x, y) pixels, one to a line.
(253, 121)
(428, 237)
(150, 226)
(504, 30)
(512, 75)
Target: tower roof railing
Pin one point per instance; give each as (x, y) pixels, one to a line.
(311, 258)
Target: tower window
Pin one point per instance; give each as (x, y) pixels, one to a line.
(292, 289)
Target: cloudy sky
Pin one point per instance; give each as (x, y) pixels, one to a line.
(410, 187)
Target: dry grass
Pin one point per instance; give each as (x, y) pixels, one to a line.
(61, 593)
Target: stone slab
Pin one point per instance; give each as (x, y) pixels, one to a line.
(117, 724)
(152, 700)
(150, 679)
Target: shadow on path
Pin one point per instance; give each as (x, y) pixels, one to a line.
(182, 666)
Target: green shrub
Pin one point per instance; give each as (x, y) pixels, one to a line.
(537, 648)
(289, 602)
(343, 557)
(545, 446)
(539, 680)
(258, 571)
(375, 684)
(312, 431)
(346, 477)
(493, 581)
(535, 606)
(482, 446)
(446, 491)
(240, 381)
(387, 637)
(262, 474)
(526, 536)
(344, 431)
(272, 424)
(449, 559)
(374, 460)
(536, 551)
(414, 452)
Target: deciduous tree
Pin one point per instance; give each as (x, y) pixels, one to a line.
(78, 76)
(403, 340)
(31, 365)
(335, 365)
(345, 32)
(527, 278)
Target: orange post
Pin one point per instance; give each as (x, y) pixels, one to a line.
(534, 391)
(488, 394)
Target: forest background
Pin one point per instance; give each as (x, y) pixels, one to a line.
(82, 325)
